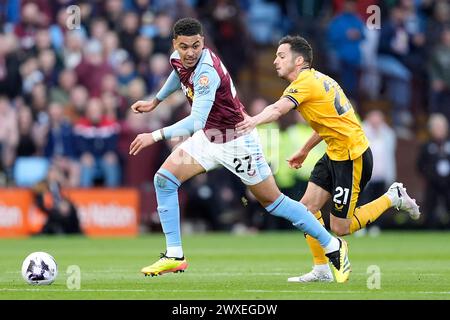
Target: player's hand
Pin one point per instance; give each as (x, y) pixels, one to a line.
(246, 126)
(140, 142)
(297, 159)
(144, 106)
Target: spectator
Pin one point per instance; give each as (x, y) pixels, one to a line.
(62, 216)
(112, 53)
(43, 41)
(38, 101)
(163, 38)
(159, 70)
(9, 137)
(138, 170)
(345, 34)
(394, 50)
(30, 21)
(112, 12)
(265, 20)
(440, 76)
(126, 72)
(10, 76)
(27, 145)
(98, 29)
(230, 35)
(143, 50)
(438, 22)
(58, 30)
(136, 90)
(48, 67)
(67, 80)
(96, 140)
(79, 97)
(93, 68)
(433, 164)
(383, 145)
(72, 52)
(31, 75)
(115, 104)
(129, 30)
(60, 147)
(44, 12)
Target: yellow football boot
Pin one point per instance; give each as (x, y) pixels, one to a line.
(165, 265)
(339, 262)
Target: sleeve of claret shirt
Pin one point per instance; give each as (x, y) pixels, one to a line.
(171, 85)
(206, 83)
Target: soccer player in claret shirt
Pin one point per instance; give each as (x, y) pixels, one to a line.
(344, 170)
(216, 110)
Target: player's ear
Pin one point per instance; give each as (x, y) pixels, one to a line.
(299, 60)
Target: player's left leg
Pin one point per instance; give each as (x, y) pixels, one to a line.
(186, 161)
(178, 167)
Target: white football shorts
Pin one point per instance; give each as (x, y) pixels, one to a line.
(242, 156)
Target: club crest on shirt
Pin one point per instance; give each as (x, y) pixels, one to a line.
(203, 81)
(203, 85)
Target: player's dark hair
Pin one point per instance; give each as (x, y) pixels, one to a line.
(187, 27)
(300, 46)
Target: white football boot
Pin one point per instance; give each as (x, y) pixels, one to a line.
(317, 274)
(402, 201)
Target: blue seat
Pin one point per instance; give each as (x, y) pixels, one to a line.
(30, 170)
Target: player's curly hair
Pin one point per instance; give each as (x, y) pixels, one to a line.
(300, 46)
(187, 27)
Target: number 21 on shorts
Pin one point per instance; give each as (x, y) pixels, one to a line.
(341, 195)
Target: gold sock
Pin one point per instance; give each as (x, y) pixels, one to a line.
(314, 245)
(368, 213)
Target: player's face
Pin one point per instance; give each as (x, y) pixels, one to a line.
(285, 62)
(190, 49)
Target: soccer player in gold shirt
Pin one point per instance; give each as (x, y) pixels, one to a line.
(346, 167)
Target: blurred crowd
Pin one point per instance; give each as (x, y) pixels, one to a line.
(69, 70)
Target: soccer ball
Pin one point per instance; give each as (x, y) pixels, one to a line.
(39, 268)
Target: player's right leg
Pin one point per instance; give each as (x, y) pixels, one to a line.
(280, 205)
(178, 167)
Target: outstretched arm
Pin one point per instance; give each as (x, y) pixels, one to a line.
(201, 107)
(297, 159)
(270, 114)
(171, 85)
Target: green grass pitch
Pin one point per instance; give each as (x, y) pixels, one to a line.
(413, 265)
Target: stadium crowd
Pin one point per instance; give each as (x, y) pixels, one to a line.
(66, 88)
